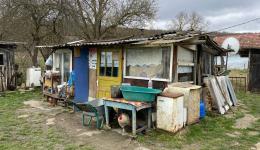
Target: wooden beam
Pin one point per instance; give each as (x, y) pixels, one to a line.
(193, 42)
(175, 63)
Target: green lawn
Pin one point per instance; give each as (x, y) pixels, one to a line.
(20, 134)
(210, 133)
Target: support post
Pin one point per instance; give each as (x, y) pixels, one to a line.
(134, 121)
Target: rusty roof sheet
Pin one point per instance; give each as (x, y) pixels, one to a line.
(246, 40)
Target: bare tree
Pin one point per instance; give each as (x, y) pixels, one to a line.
(34, 22)
(98, 17)
(186, 21)
(181, 21)
(49, 21)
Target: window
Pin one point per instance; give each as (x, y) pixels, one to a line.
(148, 63)
(1, 59)
(185, 73)
(186, 65)
(109, 64)
(62, 62)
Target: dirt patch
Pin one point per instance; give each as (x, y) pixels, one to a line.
(35, 104)
(50, 121)
(23, 116)
(253, 133)
(191, 146)
(234, 134)
(256, 147)
(142, 148)
(99, 139)
(245, 122)
(90, 133)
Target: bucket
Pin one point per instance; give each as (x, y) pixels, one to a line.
(202, 110)
(115, 91)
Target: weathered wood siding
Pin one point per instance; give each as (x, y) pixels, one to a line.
(7, 69)
(254, 71)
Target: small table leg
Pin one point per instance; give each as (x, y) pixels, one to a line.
(149, 118)
(107, 115)
(134, 121)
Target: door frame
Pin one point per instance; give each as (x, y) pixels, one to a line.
(120, 66)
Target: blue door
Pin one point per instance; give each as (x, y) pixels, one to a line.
(81, 69)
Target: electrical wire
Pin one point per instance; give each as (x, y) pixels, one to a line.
(236, 25)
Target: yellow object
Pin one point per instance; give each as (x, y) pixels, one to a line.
(109, 71)
(47, 83)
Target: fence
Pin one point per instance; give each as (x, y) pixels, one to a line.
(239, 83)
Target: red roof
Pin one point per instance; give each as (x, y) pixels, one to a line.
(246, 40)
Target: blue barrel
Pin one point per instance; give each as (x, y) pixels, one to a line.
(202, 110)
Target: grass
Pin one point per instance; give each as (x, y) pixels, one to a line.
(19, 134)
(238, 73)
(211, 132)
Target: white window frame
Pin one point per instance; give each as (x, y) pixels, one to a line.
(187, 64)
(145, 78)
(62, 62)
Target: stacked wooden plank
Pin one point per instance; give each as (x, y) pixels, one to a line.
(221, 92)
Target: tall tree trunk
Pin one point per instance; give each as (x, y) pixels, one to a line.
(35, 57)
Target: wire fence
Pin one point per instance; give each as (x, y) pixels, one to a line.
(239, 83)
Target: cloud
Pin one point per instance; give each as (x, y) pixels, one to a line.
(219, 13)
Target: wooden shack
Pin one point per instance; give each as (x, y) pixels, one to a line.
(7, 65)
(164, 59)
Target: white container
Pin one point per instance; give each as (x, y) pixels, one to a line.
(170, 113)
(185, 116)
(33, 77)
(191, 100)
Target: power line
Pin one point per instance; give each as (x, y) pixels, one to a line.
(236, 25)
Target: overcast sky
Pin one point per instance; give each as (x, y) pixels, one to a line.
(219, 13)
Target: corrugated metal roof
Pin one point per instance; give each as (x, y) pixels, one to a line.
(11, 43)
(164, 38)
(7, 45)
(96, 43)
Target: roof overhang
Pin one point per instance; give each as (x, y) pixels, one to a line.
(10, 45)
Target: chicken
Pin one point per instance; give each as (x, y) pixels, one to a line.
(123, 121)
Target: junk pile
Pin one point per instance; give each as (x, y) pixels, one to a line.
(219, 94)
(182, 104)
(178, 106)
(54, 89)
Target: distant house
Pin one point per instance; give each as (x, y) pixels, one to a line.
(165, 58)
(249, 48)
(7, 65)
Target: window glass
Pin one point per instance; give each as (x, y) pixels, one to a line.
(66, 66)
(109, 64)
(148, 62)
(58, 61)
(185, 73)
(1, 59)
(102, 64)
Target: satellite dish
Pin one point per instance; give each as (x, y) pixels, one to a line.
(231, 43)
